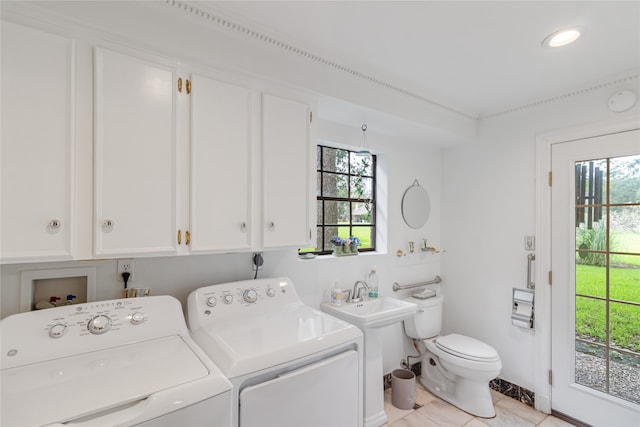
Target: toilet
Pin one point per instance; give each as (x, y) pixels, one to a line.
(456, 368)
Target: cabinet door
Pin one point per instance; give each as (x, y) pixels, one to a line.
(220, 160)
(286, 153)
(135, 156)
(37, 145)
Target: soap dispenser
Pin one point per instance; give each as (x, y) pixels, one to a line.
(336, 295)
(372, 281)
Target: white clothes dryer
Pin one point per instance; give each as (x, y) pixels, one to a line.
(127, 362)
(291, 365)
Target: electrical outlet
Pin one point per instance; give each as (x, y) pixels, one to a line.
(125, 266)
(529, 243)
(257, 261)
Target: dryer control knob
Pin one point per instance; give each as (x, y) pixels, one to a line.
(99, 324)
(271, 292)
(212, 301)
(250, 296)
(137, 318)
(228, 299)
(57, 330)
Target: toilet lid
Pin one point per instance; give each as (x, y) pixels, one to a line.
(466, 348)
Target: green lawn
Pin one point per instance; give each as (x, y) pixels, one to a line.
(624, 318)
(627, 242)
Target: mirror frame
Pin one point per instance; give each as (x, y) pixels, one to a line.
(416, 206)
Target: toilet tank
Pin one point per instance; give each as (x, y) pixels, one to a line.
(427, 322)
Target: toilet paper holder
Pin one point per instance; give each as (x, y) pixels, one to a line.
(522, 314)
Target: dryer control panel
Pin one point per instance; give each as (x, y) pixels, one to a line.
(248, 296)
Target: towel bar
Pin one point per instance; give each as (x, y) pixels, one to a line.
(398, 287)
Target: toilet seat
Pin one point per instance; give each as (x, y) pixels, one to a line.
(466, 348)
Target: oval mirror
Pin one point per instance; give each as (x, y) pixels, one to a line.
(415, 206)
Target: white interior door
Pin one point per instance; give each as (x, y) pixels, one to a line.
(595, 252)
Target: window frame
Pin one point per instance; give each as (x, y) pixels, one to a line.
(321, 225)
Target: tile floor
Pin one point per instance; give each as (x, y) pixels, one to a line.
(438, 413)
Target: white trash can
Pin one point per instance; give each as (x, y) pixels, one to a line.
(403, 389)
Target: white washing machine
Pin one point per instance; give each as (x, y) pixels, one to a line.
(290, 365)
(109, 363)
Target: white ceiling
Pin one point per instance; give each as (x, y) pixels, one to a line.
(478, 58)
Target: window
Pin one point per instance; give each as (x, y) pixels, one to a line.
(346, 198)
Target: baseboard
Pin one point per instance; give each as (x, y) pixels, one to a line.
(513, 391)
(569, 419)
(505, 387)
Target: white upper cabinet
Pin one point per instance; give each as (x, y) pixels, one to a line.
(135, 156)
(38, 145)
(286, 154)
(220, 214)
(186, 159)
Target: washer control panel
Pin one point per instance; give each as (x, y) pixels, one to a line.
(240, 297)
(80, 328)
(96, 318)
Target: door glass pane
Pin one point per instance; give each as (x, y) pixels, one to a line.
(607, 273)
(625, 176)
(591, 369)
(625, 283)
(624, 368)
(624, 356)
(591, 280)
(591, 317)
(591, 192)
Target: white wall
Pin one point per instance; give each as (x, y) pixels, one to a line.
(482, 193)
(178, 276)
(488, 206)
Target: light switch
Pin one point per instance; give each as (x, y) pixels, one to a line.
(529, 243)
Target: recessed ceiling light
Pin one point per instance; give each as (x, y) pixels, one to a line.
(562, 37)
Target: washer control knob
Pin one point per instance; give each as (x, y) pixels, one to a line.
(271, 292)
(250, 296)
(228, 299)
(211, 301)
(99, 324)
(137, 318)
(57, 330)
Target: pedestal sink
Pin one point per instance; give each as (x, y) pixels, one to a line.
(370, 316)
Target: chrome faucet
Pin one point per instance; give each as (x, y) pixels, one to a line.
(356, 294)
